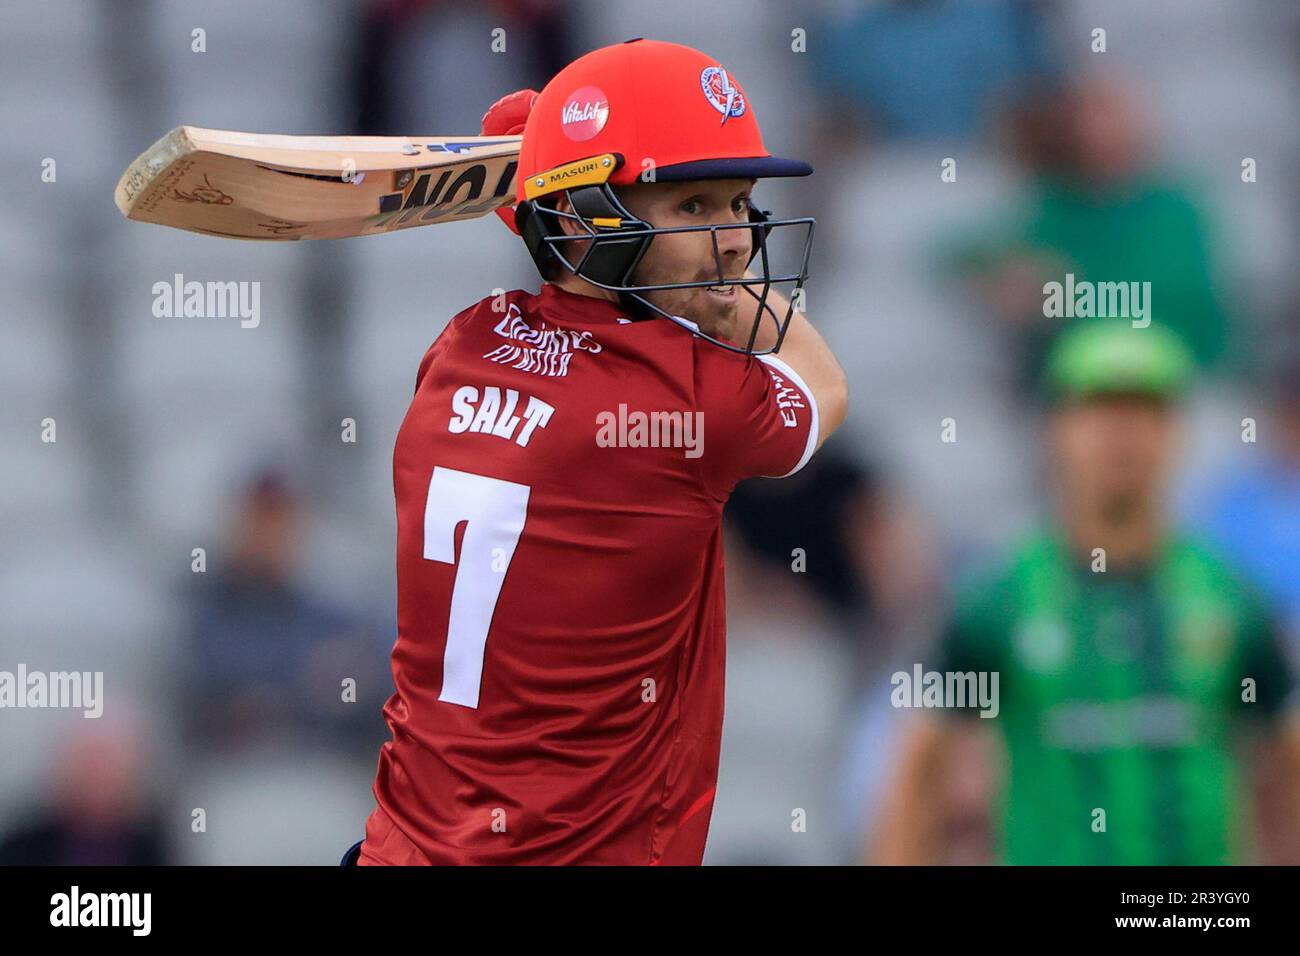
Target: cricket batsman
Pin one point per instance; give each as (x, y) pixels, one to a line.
(561, 474)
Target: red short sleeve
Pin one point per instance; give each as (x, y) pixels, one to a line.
(760, 419)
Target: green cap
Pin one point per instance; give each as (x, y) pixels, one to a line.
(1108, 356)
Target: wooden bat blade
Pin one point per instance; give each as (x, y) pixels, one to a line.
(276, 187)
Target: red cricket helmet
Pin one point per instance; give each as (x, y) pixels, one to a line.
(642, 110)
(647, 100)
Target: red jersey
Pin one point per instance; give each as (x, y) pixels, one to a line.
(560, 479)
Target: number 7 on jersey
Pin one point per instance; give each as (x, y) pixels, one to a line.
(495, 511)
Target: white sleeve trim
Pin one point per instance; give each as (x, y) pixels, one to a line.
(813, 426)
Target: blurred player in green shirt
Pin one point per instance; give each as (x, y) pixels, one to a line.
(1132, 731)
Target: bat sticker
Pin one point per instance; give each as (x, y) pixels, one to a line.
(207, 194)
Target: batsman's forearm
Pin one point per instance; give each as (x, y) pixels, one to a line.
(805, 351)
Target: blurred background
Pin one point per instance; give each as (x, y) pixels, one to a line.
(225, 738)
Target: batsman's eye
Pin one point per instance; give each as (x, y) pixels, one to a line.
(694, 206)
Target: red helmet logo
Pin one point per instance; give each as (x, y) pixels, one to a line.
(584, 113)
(723, 95)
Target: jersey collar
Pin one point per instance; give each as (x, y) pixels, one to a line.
(558, 303)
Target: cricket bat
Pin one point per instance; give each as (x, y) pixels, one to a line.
(269, 186)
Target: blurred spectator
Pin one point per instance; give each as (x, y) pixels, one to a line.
(789, 681)
(924, 71)
(540, 28)
(97, 812)
(852, 541)
(1255, 515)
(811, 512)
(1099, 208)
(1120, 700)
(266, 659)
